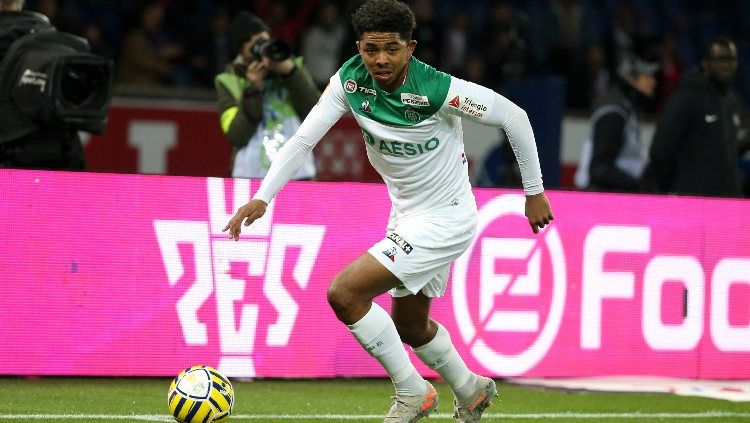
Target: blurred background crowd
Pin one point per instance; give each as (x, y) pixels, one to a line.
(596, 76)
(184, 43)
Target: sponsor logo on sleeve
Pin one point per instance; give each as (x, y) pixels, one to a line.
(468, 106)
(415, 100)
(396, 238)
(350, 86)
(473, 108)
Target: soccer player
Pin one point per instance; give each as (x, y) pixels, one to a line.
(410, 115)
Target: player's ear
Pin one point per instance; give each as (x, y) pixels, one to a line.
(410, 46)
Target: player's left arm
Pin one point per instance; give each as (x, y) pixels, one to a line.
(480, 104)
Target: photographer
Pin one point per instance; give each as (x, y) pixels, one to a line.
(263, 96)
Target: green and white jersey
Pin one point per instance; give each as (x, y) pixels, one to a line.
(415, 146)
(413, 135)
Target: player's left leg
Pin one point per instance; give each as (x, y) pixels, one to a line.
(432, 344)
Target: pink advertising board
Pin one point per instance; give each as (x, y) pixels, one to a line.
(104, 274)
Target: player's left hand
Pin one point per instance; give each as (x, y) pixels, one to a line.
(249, 213)
(538, 211)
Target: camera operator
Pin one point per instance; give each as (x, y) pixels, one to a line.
(263, 96)
(47, 146)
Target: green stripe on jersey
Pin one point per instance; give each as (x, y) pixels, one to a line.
(419, 98)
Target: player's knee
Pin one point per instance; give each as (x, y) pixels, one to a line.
(339, 297)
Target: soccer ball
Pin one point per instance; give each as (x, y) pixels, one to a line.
(200, 394)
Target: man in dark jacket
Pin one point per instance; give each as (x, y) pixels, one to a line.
(263, 97)
(697, 141)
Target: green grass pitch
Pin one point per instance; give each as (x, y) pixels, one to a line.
(67, 400)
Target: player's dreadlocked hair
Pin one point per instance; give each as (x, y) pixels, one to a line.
(384, 16)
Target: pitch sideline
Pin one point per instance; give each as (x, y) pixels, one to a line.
(438, 416)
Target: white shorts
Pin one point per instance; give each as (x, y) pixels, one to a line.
(419, 250)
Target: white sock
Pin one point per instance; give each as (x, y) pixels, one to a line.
(377, 334)
(440, 355)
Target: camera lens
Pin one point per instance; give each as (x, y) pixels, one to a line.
(83, 85)
(276, 50)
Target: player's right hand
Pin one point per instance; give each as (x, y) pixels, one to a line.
(249, 213)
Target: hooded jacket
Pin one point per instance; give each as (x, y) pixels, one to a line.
(696, 145)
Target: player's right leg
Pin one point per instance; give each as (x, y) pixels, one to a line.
(350, 295)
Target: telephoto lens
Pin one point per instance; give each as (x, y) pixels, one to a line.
(276, 50)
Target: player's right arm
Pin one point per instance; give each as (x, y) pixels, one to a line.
(331, 106)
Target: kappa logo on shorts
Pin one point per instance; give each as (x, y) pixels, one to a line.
(400, 242)
(391, 253)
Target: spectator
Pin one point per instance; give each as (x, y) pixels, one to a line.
(147, 53)
(506, 55)
(261, 101)
(98, 43)
(671, 70)
(429, 32)
(697, 141)
(11, 5)
(456, 42)
(503, 48)
(211, 49)
(614, 156)
(565, 50)
(283, 24)
(321, 46)
(59, 16)
(475, 70)
(591, 80)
